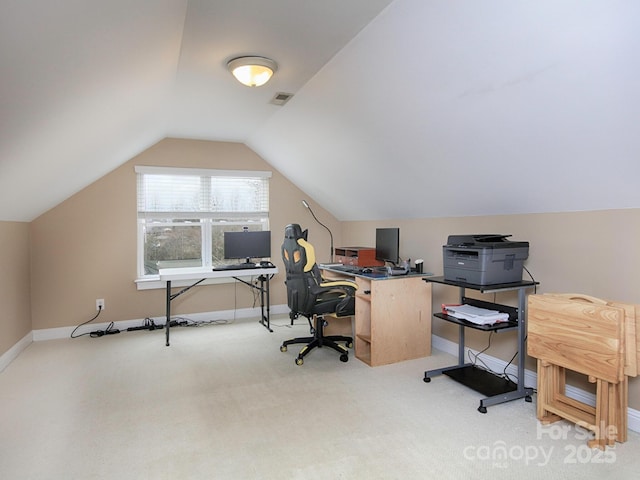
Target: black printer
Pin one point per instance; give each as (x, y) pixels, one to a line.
(484, 259)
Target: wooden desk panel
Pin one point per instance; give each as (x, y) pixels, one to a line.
(393, 318)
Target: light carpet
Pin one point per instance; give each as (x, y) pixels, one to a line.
(222, 402)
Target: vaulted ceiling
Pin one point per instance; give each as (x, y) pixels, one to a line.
(401, 109)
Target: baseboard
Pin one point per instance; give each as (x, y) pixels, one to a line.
(65, 332)
(530, 378)
(239, 314)
(11, 354)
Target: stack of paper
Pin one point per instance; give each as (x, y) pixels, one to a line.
(479, 316)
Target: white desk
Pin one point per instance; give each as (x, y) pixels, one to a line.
(200, 274)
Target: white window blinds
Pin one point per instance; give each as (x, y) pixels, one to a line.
(197, 193)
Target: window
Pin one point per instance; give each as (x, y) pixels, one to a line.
(182, 214)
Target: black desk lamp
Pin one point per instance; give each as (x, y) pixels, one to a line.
(306, 205)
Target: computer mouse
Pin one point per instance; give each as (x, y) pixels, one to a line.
(367, 270)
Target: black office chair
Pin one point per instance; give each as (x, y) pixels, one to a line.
(311, 296)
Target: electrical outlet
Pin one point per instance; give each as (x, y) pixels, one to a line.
(100, 304)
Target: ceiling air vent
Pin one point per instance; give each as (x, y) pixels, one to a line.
(281, 98)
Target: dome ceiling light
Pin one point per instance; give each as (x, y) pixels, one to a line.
(252, 71)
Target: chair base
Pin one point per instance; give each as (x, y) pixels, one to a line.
(293, 317)
(319, 340)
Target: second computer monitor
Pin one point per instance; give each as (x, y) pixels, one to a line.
(388, 245)
(247, 245)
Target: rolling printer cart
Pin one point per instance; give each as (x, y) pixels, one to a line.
(497, 389)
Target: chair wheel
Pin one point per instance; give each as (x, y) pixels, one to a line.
(426, 379)
(283, 348)
(299, 361)
(344, 357)
(482, 409)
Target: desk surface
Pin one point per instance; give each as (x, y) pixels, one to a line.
(373, 275)
(196, 273)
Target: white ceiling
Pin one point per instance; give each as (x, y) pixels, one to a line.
(435, 107)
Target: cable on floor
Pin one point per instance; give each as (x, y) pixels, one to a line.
(96, 333)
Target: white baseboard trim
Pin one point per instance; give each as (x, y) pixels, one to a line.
(530, 378)
(11, 354)
(240, 314)
(65, 332)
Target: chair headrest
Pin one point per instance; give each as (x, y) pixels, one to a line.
(294, 231)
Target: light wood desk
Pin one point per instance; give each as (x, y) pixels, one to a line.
(393, 316)
(200, 274)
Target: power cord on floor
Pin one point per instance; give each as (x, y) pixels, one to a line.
(202, 323)
(149, 324)
(107, 331)
(96, 333)
(475, 359)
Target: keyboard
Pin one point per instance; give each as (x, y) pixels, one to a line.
(236, 266)
(347, 268)
(394, 271)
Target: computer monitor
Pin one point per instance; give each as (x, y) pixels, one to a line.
(388, 245)
(247, 245)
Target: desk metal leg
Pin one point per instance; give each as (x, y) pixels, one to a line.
(264, 291)
(170, 297)
(168, 310)
(429, 374)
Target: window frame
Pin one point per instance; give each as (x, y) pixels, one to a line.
(207, 217)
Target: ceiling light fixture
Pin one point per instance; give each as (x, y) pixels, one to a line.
(252, 71)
